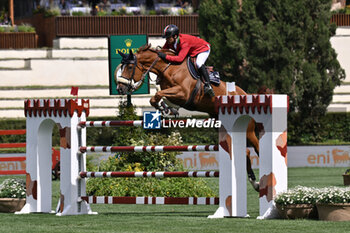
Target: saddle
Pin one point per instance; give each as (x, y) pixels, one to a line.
(214, 76)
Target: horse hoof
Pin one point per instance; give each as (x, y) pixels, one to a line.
(174, 112)
(254, 184)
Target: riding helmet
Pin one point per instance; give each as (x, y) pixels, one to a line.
(170, 30)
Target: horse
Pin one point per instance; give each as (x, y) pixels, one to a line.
(178, 87)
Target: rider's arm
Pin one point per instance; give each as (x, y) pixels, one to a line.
(181, 56)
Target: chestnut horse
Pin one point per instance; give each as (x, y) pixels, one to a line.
(177, 86)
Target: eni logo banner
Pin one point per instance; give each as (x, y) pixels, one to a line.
(124, 44)
(298, 156)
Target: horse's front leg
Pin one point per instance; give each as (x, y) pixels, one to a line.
(174, 92)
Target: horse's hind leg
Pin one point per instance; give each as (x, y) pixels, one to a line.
(255, 142)
(251, 175)
(252, 137)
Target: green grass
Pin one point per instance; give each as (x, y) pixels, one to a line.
(176, 218)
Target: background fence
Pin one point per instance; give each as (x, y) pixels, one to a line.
(48, 28)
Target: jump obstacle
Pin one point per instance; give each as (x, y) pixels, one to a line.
(270, 111)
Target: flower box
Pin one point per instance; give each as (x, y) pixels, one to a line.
(18, 40)
(297, 211)
(346, 179)
(11, 205)
(334, 212)
(12, 195)
(301, 202)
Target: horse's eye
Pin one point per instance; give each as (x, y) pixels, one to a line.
(130, 68)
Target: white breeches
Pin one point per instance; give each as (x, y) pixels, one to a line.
(202, 57)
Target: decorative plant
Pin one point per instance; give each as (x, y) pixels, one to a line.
(297, 195)
(164, 11)
(347, 172)
(307, 195)
(19, 28)
(25, 28)
(333, 195)
(78, 13)
(13, 188)
(47, 12)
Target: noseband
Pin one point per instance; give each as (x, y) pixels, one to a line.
(130, 82)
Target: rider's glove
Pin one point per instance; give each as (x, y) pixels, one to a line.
(162, 55)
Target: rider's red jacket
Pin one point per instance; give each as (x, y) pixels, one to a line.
(186, 45)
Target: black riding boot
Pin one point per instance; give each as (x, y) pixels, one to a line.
(207, 87)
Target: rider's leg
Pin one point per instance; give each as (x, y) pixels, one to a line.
(207, 87)
(201, 58)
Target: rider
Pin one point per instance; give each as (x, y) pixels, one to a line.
(186, 45)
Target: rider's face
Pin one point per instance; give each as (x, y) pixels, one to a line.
(171, 40)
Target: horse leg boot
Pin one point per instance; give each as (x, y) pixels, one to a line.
(251, 175)
(207, 87)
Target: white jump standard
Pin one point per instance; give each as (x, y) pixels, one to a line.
(234, 112)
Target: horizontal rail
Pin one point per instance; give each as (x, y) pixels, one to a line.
(151, 200)
(84, 149)
(149, 174)
(13, 132)
(12, 145)
(110, 123)
(7, 159)
(13, 172)
(136, 123)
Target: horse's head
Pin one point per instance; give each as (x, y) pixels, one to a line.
(131, 73)
(125, 73)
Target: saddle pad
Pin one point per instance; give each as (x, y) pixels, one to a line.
(214, 76)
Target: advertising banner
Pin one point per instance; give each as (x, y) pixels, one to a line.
(125, 44)
(298, 156)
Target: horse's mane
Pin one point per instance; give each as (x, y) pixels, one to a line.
(147, 47)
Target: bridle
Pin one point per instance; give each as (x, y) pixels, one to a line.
(130, 82)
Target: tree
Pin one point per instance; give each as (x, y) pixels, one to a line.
(283, 45)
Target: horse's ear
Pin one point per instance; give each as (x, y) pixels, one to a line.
(131, 55)
(122, 54)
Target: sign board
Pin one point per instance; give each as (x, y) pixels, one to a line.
(298, 156)
(125, 44)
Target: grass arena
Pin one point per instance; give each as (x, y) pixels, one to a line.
(178, 218)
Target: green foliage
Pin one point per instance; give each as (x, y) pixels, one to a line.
(283, 45)
(47, 12)
(25, 28)
(77, 13)
(102, 13)
(152, 12)
(19, 28)
(153, 187)
(13, 188)
(164, 11)
(121, 11)
(331, 127)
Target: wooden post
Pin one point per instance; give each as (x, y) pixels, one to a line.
(11, 12)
